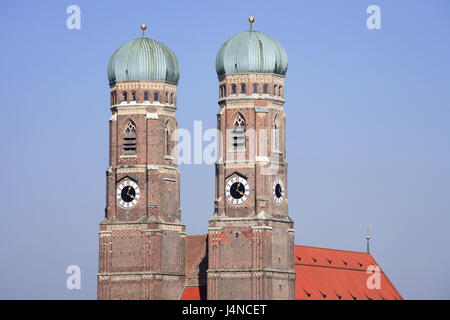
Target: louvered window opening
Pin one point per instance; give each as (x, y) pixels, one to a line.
(238, 133)
(129, 139)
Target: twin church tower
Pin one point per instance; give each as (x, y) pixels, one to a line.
(143, 246)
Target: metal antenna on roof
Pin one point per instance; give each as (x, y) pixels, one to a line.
(368, 236)
(143, 27)
(251, 20)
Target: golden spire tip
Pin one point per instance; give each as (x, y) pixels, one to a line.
(251, 20)
(143, 27)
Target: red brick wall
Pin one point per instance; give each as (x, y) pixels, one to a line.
(142, 249)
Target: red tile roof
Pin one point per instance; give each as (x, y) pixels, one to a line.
(322, 274)
(337, 274)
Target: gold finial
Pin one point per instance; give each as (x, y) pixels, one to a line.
(143, 28)
(251, 20)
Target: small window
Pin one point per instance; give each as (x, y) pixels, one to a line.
(255, 88)
(156, 96)
(275, 90)
(233, 89)
(146, 96)
(266, 89)
(224, 90)
(124, 96)
(133, 96)
(167, 97)
(171, 98)
(243, 88)
(221, 91)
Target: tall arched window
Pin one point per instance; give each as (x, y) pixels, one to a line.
(167, 97)
(167, 145)
(238, 133)
(133, 96)
(255, 88)
(124, 96)
(129, 139)
(265, 88)
(275, 90)
(171, 98)
(221, 91)
(276, 134)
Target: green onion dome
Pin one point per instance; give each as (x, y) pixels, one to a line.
(251, 51)
(143, 59)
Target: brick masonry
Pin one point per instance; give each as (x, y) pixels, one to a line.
(144, 252)
(142, 249)
(251, 244)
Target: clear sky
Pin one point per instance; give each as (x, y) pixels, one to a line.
(368, 134)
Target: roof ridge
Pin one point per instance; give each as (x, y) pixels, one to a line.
(332, 267)
(353, 251)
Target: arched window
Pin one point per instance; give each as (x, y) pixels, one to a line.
(255, 88)
(145, 96)
(124, 96)
(171, 98)
(276, 133)
(133, 96)
(156, 96)
(233, 89)
(129, 139)
(224, 90)
(279, 91)
(265, 88)
(167, 97)
(238, 133)
(221, 91)
(167, 146)
(243, 88)
(275, 90)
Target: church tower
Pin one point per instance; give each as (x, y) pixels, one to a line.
(142, 238)
(251, 237)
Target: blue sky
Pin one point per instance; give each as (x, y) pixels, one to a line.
(368, 130)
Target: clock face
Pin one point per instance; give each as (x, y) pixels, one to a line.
(237, 190)
(278, 190)
(128, 194)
